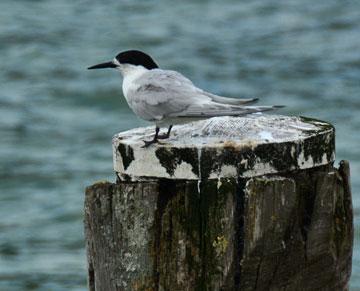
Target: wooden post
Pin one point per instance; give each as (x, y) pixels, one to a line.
(250, 203)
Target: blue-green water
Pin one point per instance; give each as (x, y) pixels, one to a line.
(57, 118)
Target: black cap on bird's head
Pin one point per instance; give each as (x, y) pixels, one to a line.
(132, 57)
(137, 58)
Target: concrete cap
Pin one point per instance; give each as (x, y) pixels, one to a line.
(222, 147)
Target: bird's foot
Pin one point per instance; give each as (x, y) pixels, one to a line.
(157, 137)
(166, 135)
(163, 136)
(148, 143)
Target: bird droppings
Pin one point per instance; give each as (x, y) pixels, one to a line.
(226, 147)
(199, 169)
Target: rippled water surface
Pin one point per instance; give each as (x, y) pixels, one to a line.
(57, 118)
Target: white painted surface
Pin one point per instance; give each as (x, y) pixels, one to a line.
(236, 133)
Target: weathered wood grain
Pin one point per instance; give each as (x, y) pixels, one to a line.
(291, 231)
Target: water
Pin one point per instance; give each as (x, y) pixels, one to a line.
(57, 119)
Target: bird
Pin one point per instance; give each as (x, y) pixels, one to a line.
(166, 97)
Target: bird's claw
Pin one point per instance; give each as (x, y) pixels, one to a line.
(148, 143)
(157, 137)
(163, 136)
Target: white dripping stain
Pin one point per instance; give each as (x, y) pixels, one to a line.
(219, 183)
(199, 168)
(293, 151)
(282, 199)
(257, 224)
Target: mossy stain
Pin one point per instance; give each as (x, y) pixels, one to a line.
(170, 159)
(127, 155)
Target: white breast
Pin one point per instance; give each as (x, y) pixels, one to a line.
(130, 74)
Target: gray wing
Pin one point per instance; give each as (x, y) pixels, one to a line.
(228, 100)
(161, 94)
(167, 78)
(224, 110)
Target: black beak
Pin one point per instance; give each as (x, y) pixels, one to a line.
(103, 66)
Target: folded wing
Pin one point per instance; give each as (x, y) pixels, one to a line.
(228, 100)
(160, 94)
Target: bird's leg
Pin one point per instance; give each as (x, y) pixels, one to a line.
(167, 135)
(154, 140)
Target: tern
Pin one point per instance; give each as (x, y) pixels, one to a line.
(166, 97)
